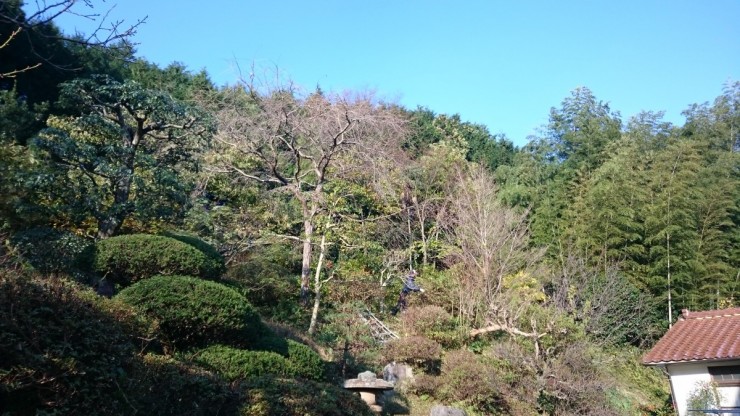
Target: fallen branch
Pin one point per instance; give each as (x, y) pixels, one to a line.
(507, 329)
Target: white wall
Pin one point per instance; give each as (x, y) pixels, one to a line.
(686, 376)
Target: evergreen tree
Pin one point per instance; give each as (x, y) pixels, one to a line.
(123, 156)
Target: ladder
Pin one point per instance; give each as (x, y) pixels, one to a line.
(380, 332)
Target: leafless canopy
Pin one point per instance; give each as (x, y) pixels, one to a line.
(490, 258)
(273, 133)
(109, 33)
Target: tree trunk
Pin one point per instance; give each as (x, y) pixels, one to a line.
(420, 215)
(306, 265)
(109, 225)
(113, 220)
(317, 287)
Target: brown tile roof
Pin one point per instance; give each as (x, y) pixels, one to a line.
(699, 336)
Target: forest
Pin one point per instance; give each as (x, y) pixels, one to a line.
(170, 246)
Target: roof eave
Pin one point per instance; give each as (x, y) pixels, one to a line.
(703, 360)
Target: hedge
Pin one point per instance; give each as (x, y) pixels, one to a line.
(305, 362)
(127, 259)
(238, 364)
(192, 312)
(216, 260)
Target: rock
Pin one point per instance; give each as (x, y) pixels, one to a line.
(440, 410)
(397, 372)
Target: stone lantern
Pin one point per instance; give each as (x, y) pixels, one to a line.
(369, 386)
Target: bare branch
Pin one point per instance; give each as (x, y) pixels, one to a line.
(507, 329)
(112, 35)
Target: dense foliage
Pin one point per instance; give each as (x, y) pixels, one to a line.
(547, 269)
(236, 364)
(51, 251)
(216, 263)
(127, 259)
(191, 312)
(63, 349)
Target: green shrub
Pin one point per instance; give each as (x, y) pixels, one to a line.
(192, 312)
(162, 386)
(266, 396)
(129, 258)
(54, 251)
(236, 364)
(272, 343)
(62, 350)
(216, 260)
(233, 363)
(304, 362)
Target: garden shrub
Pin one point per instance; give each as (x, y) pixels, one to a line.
(267, 396)
(237, 364)
(162, 386)
(466, 379)
(576, 383)
(192, 312)
(216, 260)
(425, 384)
(304, 362)
(295, 360)
(272, 343)
(129, 258)
(54, 251)
(432, 322)
(63, 350)
(417, 351)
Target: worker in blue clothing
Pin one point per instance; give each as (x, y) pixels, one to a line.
(408, 287)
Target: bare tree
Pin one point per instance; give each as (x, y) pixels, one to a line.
(291, 141)
(107, 32)
(428, 183)
(490, 246)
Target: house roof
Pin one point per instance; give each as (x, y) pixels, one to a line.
(699, 336)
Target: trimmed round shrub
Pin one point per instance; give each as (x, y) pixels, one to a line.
(216, 260)
(234, 363)
(161, 385)
(267, 396)
(237, 364)
(271, 342)
(51, 251)
(129, 258)
(304, 362)
(192, 312)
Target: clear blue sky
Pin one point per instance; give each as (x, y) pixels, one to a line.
(502, 64)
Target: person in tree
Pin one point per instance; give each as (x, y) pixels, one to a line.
(408, 287)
